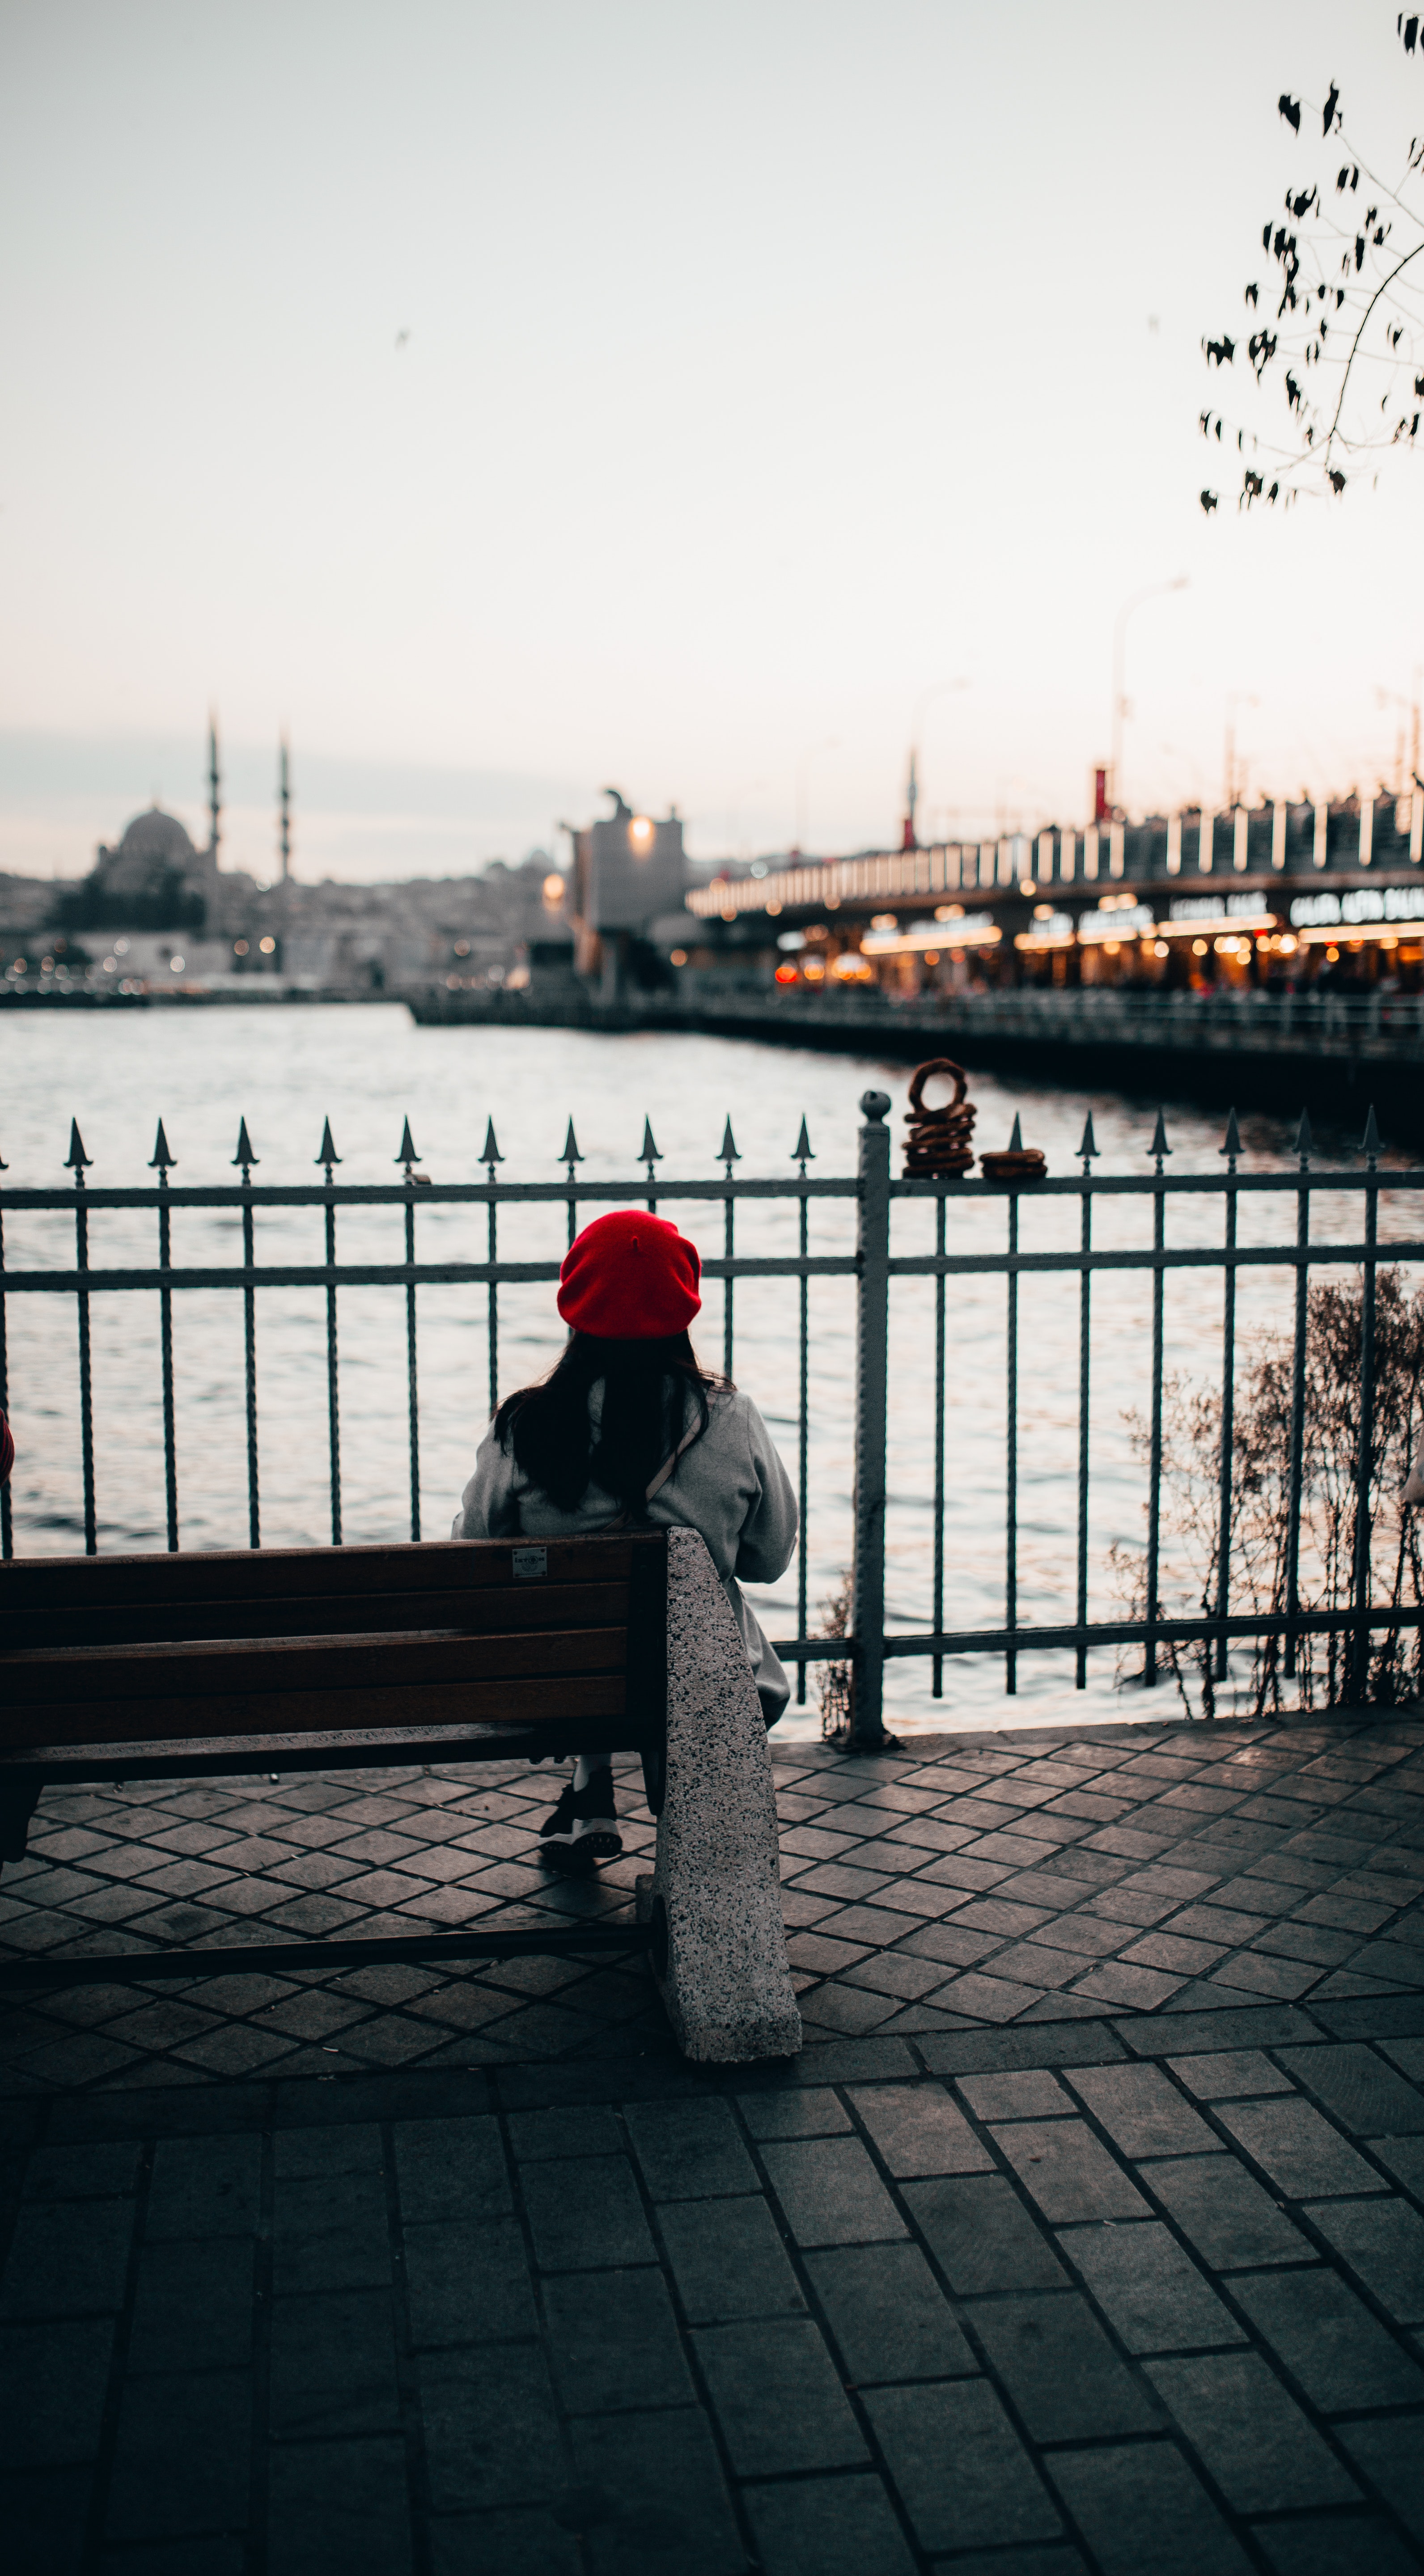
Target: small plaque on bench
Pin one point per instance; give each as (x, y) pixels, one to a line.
(529, 1562)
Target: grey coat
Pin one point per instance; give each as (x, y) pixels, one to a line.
(730, 1485)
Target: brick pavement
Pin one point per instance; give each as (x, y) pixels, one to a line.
(995, 1879)
(1071, 2241)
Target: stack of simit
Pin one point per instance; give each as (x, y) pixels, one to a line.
(938, 1146)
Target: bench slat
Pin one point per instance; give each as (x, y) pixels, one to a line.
(515, 1702)
(57, 1583)
(489, 1610)
(104, 1674)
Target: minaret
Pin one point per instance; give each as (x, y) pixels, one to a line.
(214, 790)
(284, 807)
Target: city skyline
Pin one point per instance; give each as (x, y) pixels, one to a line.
(523, 403)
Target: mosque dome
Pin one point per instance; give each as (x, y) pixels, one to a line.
(154, 846)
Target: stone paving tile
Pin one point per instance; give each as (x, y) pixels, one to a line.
(1092, 2263)
(777, 2398)
(1152, 2294)
(1382, 2243)
(1224, 2213)
(1068, 2171)
(1253, 2442)
(830, 2192)
(1297, 2149)
(843, 2526)
(995, 2495)
(1141, 2506)
(1142, 2111)
(1060, 2369)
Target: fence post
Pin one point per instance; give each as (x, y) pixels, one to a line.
(872, 1338)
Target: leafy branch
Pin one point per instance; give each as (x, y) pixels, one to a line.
(1342, 352)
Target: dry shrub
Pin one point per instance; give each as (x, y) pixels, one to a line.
(1259, 1528)
(834, 1680)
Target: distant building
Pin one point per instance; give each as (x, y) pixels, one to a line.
(629, 871)
(153, 876)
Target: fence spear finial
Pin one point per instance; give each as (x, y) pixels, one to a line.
(76, 1160)
(648, 1151)
(1230, 1144)
(1370, 1145)
(489, 1151)
(801, 1151)
(1016, 1136)
(571, 1154)
(407, 1154)
(327, 1153)
(160, 1160)
(1159, 1145)
(1304, 1141)
(244, 1154)
(727, 1150)
(1088, 1149)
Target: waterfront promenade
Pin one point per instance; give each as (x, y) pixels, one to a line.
(1085, 2233)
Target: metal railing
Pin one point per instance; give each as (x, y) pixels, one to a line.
(874, 1265)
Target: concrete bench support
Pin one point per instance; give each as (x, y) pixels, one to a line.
(714, 1899)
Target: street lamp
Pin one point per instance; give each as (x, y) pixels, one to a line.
(1155, 590)
(1409, 707)
(941, 689)
(831, 743)
(1234, 698)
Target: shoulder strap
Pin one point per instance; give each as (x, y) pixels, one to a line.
(665, 1470)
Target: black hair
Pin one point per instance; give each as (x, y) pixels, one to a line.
(646, 1385)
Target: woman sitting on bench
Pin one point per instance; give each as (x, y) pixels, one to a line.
(628, 1428)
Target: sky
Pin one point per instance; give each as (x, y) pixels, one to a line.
(514, 397)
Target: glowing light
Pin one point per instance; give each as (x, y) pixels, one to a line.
(640, 833)
(979, 930)
(1027, 886)
(786, 974)
(268, 947)
(884, 921)
(175, 965)
(239, 948)
(678, 956)
(1160, 948)
(553, 891)
(1199, 948)
(949, 912)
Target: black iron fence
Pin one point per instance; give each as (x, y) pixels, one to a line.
(873, 1264)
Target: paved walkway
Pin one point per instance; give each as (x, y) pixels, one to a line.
(1084, 2234)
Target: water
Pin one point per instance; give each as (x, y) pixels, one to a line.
(286, 1070)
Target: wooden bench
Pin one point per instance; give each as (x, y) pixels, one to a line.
(323, 1659)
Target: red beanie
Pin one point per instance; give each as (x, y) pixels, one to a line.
(630, 1277)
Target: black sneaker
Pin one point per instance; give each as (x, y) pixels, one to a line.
(583, 1828)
